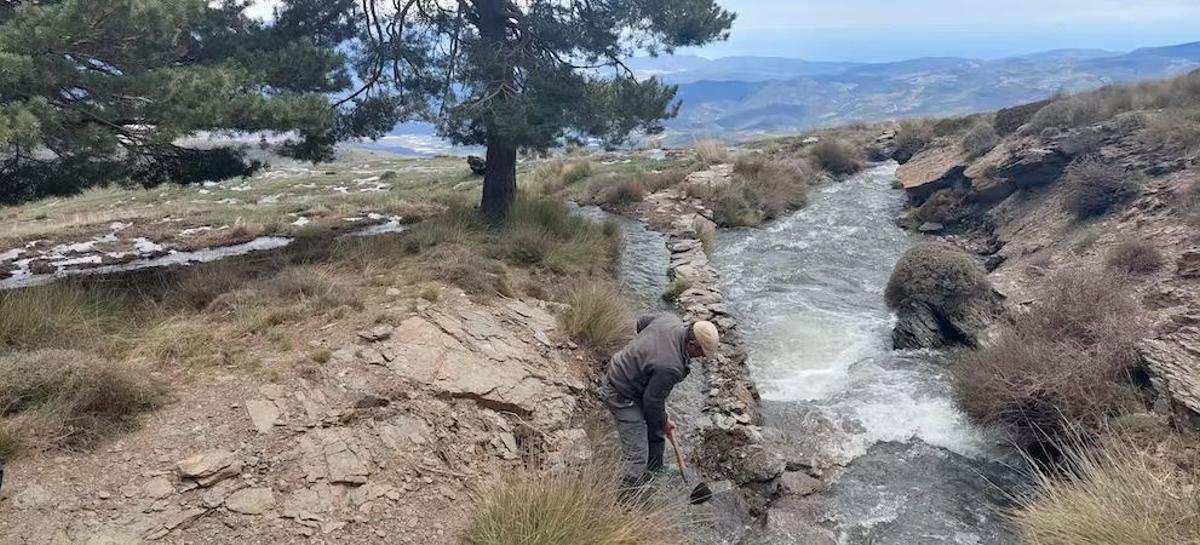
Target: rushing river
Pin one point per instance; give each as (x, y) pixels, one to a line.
(907, 467)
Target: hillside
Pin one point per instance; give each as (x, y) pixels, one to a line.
(1084, 211)
(757, 95)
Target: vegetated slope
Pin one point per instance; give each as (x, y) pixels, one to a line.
(1085, 209)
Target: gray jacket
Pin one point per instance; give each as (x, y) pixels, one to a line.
(645, 371)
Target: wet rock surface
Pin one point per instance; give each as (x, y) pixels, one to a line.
(899, 494)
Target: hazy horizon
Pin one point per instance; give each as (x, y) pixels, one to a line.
(885, 31)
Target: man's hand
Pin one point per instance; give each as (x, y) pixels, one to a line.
(670, 426)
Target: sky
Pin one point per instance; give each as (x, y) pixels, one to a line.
(889, 30)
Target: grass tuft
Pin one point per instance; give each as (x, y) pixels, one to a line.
(580, 506)
(675, 289)
(597, 316)
(711, 152)
(60, 314)
(1114, 493)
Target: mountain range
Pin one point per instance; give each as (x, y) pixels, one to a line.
(743, 97)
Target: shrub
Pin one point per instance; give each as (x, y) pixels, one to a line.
(711, 152)
(580, 506)
(69, 398)
(935, 274)
(836, 157)
(597, 316)
(949, 126)
(1095, 186)
(1060, 366)
(1064, 113)
(1135, 257)
(1114, 493)
(1008, 120)
(979, 140)
(944, 206)
(1174, 132)
(914, 136)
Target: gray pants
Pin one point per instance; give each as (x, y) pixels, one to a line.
(642, 447)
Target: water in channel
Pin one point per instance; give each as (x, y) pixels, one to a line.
(907, 467)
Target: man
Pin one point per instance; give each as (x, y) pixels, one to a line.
(639, 379)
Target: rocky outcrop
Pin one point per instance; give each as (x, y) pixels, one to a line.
(1173, 358)
(1013, 165)
(932, 170)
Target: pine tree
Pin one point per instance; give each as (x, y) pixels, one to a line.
(96, 91)
(522, 75)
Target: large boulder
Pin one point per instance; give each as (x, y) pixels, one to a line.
(932, 170)
(941, 297)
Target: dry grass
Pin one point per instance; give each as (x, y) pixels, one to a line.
(707, 234)
(1135, 257)
(937, 275)
(65, 398)
(597, 316)
(763, 188)
(618, 189)
(1061, 365)
(1095, 186)
(579, 506)
(1174, 131)
(710, 152)
(836, 157)
(62, 314)
(1115, 493)
(10, 442)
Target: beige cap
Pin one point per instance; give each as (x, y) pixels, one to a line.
(707, 337)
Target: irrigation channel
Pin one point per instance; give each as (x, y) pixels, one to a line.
(904, 465)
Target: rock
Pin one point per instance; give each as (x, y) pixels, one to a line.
(210, 467)
(1033, 167)
(344, 464)
(393, 292)
(1174, 360)
(810, 140)
(477, 165)
(931, 227)
(376, 334)
(263, 414)
(932, 170)
(158, 488)
(33, 496)
(799, 483)
(1188, 265)
(251, 501)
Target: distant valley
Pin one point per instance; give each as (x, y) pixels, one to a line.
(744, 97)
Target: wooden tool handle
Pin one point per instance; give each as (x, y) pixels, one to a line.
(675, 448)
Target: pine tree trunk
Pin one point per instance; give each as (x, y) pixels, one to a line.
(500, 180)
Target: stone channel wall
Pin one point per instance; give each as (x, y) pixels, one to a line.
(729, 432)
